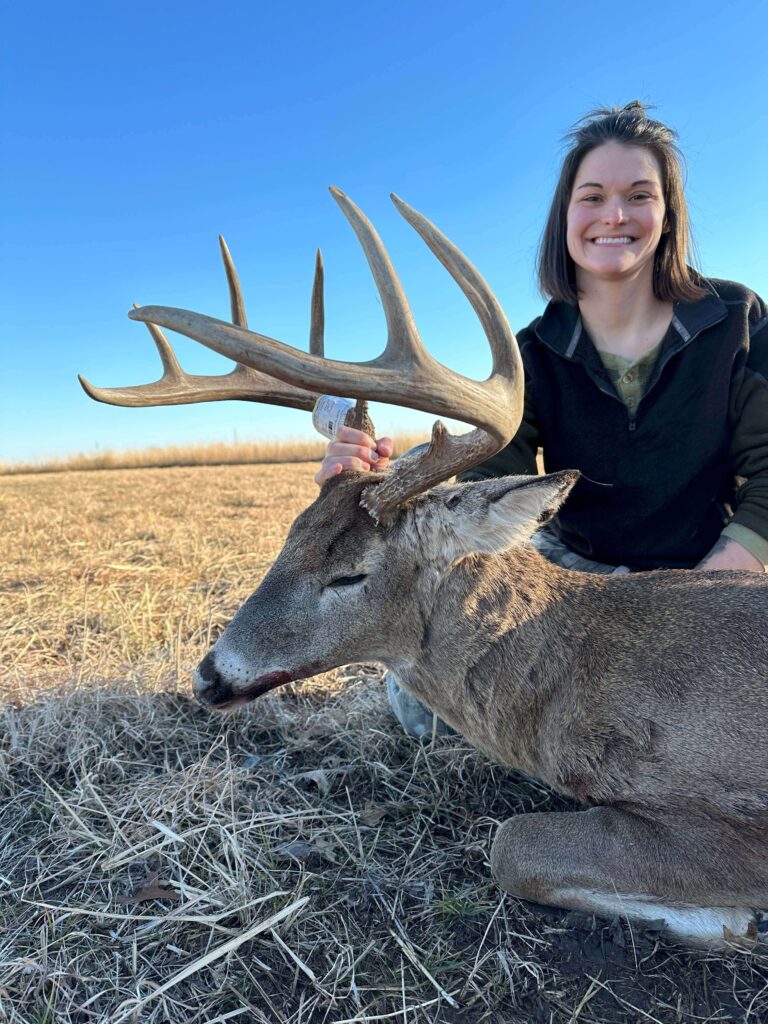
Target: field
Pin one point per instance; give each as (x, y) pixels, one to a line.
(217, 453)
(299, 861)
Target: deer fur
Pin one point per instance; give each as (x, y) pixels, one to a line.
(643, 696)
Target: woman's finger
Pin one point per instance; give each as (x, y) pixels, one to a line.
(348, 435)
(385, 446)
(334, 466)
(328, 468)
(337, 450)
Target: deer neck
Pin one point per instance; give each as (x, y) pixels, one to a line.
(486, 663)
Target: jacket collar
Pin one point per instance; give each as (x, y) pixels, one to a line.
(560, 326)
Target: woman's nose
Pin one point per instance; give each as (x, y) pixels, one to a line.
(614, 213)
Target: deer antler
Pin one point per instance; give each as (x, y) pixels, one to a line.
(176, 387)
(404, 374)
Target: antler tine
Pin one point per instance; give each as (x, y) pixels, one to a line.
(171, 367)
(317, 315)
(235, 292)
(447, 454)
(358, 416)
(173, 376)
(404, 346)
(506, 357)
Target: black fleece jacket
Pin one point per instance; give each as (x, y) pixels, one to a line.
(658, 481)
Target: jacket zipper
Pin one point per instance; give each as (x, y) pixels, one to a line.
(611, 392)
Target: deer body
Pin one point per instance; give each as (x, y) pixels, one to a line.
(609, 689)
(643, 696)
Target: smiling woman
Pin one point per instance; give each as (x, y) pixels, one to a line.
(644, 375)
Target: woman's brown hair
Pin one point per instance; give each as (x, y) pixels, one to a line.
(673, 279)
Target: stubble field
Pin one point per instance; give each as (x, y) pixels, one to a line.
(300, 861)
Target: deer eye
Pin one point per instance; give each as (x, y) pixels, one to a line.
(347, 581)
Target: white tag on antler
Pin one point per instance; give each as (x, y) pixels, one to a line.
(330, 413)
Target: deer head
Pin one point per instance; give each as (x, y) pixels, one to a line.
(345, 588)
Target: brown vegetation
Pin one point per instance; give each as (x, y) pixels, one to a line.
(217, 453)
(300, 861)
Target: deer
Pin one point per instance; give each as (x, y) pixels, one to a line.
(641, 696)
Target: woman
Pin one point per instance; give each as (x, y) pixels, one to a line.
(645, 376)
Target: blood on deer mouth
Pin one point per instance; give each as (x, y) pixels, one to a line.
(219, 695)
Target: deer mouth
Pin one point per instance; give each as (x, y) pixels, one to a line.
(218, 694)
(265, 683)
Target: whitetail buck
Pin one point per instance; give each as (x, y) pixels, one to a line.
(643, 696)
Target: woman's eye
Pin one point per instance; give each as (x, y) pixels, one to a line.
(347, 581)
(641, 195)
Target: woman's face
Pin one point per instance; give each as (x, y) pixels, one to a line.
(616, 214)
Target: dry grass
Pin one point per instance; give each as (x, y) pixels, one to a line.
(300, 861)
(128, 574)
(219, 453)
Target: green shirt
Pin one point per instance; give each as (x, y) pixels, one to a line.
(630, 378)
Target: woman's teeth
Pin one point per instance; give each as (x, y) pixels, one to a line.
(624, 240)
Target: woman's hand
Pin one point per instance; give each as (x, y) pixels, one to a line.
(352, 449)
(729, 554)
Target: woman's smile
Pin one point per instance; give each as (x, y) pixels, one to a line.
(611, 240)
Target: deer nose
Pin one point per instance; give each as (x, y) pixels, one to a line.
(210, 686)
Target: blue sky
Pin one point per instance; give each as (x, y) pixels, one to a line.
(132, 134)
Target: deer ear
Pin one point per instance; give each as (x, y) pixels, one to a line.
(493, 515)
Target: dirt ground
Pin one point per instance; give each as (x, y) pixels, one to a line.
(299, 861)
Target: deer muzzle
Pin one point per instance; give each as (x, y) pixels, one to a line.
(214, 690)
